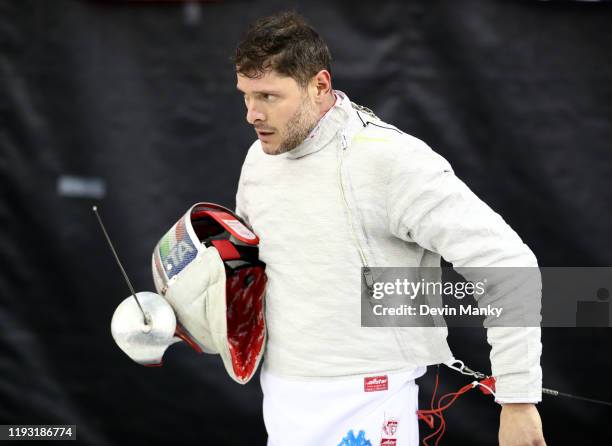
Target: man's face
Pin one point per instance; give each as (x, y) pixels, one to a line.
(282, 112)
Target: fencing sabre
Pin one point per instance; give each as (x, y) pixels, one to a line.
(144, 324)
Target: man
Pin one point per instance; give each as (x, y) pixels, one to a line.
(329, 188)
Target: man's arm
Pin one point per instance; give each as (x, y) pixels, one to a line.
(429, 205)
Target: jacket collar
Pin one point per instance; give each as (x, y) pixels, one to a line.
(328, 126)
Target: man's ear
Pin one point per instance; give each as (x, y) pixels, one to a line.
(321, 84)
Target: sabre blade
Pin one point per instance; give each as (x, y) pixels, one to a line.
(576, 397)
(125, 276)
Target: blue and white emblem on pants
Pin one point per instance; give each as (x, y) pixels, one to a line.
(351, 440)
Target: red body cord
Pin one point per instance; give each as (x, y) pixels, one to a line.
(429, 415)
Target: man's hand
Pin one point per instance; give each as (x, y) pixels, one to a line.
(520, 425)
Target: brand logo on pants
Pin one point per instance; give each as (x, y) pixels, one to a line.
(390, 427)
(375, 383)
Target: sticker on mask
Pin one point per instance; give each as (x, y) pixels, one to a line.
(240, 229)
(375, 383)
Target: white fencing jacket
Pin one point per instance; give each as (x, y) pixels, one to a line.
(360, 190)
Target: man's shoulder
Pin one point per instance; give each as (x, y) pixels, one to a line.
(374, 134)
(387, 146)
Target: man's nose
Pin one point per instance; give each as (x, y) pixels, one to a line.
(254, 114)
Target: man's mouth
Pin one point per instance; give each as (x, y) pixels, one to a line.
(264, 135)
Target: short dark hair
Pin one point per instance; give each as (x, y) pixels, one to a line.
(285, 43)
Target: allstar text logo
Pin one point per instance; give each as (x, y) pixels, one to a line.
(375, 383)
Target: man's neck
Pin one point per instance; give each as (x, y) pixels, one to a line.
(327, 104)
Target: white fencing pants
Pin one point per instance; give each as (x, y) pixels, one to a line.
(366, 410)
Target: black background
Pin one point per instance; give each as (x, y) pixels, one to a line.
(517, 95)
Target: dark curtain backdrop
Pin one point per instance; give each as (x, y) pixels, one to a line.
(132, 106)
